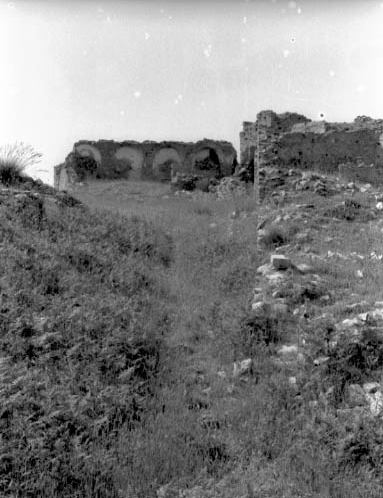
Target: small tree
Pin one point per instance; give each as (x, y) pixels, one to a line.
(14, 159)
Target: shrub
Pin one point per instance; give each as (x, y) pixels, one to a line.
(83, 166)
(257, 331)
(14, 159)
(274, 236)
(363, 447)
(352, 361)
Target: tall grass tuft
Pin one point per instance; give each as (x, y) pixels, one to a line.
(14, 159)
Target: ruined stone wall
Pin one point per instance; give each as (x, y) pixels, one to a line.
(326, 151)
(150, 160)
(291, 140)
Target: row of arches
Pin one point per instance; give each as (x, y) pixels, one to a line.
(207, 160)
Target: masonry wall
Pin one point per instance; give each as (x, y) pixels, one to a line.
(150, 160)
(325, 152)
(291, 140)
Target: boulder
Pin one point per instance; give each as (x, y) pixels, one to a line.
(260, 308)
(371, 387)
(280, 262)
(304, 268)
(288, 350)
(242, 367)
(375, 400)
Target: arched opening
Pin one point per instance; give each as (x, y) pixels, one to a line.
(87, 150)
(132, 160)
(163, 163)
(207, 162)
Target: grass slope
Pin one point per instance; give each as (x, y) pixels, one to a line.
(82, 319)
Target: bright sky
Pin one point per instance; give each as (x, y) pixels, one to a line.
(180, 70)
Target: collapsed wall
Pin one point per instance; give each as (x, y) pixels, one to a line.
(292, 140)
(159, 161)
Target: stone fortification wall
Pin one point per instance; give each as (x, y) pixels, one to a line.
(147, 160)
(292, 140)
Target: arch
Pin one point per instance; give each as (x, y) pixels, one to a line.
(207, 160)
(132, 156)
(163, 161)
(87, 150)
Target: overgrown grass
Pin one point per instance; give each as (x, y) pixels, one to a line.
(120, 326)
(84, 312)
(14, 160)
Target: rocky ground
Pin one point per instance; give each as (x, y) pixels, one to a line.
(315, 314)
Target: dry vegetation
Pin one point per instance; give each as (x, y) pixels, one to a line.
(120, 323)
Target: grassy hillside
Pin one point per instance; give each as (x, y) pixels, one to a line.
(125, 319)
(83, 313)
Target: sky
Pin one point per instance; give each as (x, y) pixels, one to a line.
(180, 69)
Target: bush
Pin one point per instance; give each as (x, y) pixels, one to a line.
(83, 166)
(274, 236)
(258, 331)
(363, 447)
(14, 159)
(352, 362)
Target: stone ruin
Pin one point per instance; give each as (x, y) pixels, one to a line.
(158, 161)
(290, 140)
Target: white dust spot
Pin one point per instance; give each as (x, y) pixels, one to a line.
(299, 11)
(85, 52)
(108, 20)
(122, 113)
(331, 73)
(243, 40)
(207, 51)
(286, 53)
(180, 97)
(360, 88)
(100, 10)
(162, 11)
(137, 94)
(147, 36)
(292, 5)
(245, 20)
